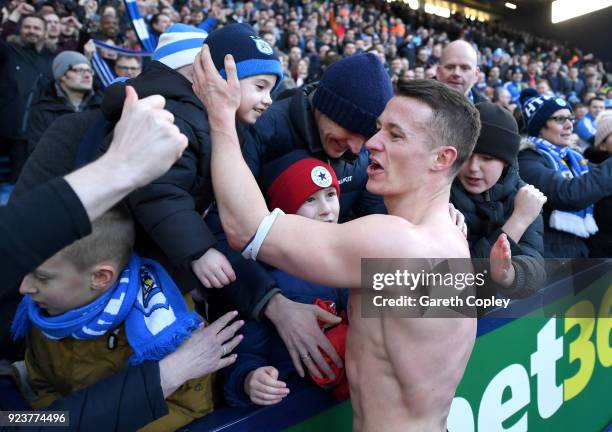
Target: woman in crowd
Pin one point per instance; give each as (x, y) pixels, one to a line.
(570, 183)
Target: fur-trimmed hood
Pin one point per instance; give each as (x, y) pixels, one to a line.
(526, 143)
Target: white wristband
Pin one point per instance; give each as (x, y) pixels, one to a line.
(252, 249)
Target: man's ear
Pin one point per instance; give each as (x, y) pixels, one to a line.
(102, 276)
(444, 158)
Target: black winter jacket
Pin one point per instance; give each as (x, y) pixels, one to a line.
(600, 244)
(22, 71)
(170, 208)
(478, 97)
(485, 214)
(287, 125)
(564, 194)
(50, 105)
(56, 152)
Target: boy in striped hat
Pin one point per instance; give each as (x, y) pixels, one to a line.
(171, 209)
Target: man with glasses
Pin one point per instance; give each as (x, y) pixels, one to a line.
(127, 66)
(71, 91)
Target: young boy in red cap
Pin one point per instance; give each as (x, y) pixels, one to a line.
(298, 184)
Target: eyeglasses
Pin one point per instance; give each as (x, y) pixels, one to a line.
(562, 119)
(81, 71)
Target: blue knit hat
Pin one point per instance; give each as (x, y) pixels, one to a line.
(253, 55)
(179, 45)
(353, 92)
(538, 109)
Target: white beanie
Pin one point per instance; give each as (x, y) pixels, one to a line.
(179, 45)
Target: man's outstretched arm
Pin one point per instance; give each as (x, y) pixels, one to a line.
(324, 253)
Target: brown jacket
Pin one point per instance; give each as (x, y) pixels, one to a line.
(57, 368)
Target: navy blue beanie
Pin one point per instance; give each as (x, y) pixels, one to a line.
(253, 55)
(353, 92)
(538, 109)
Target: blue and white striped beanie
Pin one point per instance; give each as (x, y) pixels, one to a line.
(179, 45)
(253, 55)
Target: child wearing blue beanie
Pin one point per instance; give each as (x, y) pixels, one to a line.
(172, 209)
(258, 68)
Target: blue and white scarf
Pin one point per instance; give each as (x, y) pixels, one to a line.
(140, 27)
(570, 164)
(101, 68)
(145, 298)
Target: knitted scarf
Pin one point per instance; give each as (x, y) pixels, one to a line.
(569, 163)
(144, 298)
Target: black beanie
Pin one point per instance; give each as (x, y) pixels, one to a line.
(499, 135)
(353, 92)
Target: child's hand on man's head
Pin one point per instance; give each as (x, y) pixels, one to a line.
(263, 386)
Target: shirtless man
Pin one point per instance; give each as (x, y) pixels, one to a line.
(403, 372)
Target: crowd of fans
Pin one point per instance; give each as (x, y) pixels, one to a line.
(540, 175)
(306, 36)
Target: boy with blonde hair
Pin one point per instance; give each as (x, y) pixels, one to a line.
(94, 307)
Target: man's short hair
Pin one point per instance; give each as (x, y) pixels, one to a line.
(37, 16)
(497, 92)
(595, 98)
(455, 121)
(128, 57)
(44, 14)
(111, 239)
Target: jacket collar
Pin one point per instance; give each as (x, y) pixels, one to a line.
(301, 115)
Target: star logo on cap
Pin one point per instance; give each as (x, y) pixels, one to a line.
(321, 177)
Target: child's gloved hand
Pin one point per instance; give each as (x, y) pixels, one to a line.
(263, 387)
(213, 269)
